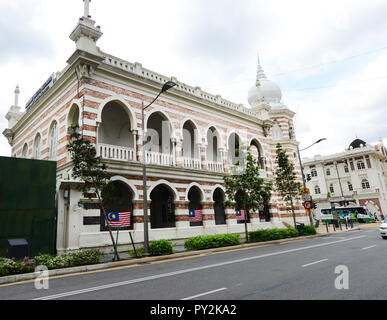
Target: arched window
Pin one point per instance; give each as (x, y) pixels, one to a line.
(195, 198)
(25, 151)
(317, 190)
(54, 141)
(37, 146)
(365, 184)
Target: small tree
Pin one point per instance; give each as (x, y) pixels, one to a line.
(285, 179)
(248, 189)
(90, 169)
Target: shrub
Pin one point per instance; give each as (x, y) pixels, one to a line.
(212, 241)
(272, 234)
(160, 247)
(78, 258)
(140, 252)
(308, 230)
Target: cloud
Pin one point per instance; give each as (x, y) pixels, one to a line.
(20, 39)
(213, 44)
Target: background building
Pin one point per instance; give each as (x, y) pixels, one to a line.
(195, 137)
(356, 176)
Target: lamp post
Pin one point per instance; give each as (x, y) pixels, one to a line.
(168, 85)
(302, 170)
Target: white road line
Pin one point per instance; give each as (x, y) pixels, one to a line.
(204, 294)
(369, 247)
(163, 275)
(309, 264)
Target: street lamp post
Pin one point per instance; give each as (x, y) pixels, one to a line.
(302, 171)
(168, 85)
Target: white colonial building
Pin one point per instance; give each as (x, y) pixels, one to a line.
(196, 136)
(357, 176)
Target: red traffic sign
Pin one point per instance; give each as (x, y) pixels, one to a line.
(307, 204)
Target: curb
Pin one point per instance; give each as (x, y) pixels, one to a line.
(139, 261)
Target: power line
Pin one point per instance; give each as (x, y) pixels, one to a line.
(331, 62)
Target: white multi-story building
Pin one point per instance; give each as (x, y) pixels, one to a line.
(357, 176)
(197, 136)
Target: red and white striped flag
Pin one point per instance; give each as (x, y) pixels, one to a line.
(240, 214)
(195, 215)
(118, 219)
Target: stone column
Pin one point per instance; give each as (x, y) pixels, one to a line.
(179, 152)
(208, 217)
(135, 137)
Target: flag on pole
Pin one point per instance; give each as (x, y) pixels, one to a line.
(195, 215)
(240, 214)
(118, 219)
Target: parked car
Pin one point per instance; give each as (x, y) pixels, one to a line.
(383, 229)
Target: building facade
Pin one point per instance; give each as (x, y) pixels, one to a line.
(194, 136)
(357, 176)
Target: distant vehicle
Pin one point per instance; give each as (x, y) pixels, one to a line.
(383, 229)
(356, 214)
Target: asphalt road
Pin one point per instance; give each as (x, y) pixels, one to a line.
(343, 266)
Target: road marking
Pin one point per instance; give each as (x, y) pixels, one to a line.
(204, 294)
(369, 247)
(309, 264)
(174, 273)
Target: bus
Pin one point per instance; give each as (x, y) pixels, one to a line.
(359, 214)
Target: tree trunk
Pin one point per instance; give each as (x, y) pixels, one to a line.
(294, 215)
(246, 232)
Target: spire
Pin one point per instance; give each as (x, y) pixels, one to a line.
(86, 33)
(17, 91)
(86, 8)
(260, 73)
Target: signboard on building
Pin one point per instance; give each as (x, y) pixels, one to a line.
(42, 90)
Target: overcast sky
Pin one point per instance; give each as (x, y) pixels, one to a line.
(328, 57)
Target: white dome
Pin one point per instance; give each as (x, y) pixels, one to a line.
(266, 90)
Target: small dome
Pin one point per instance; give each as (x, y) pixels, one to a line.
(266, 90)
(357, 143)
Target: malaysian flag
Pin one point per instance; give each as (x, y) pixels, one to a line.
(195, 215)
(240, 214)
(118, 219)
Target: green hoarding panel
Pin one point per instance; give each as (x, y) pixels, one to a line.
(27, 204)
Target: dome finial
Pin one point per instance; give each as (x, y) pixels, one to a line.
(260, 73)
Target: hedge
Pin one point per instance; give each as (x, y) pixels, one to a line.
(272, 234)
(73, 259)
(156, 248)
(308, 230)
(212, 241)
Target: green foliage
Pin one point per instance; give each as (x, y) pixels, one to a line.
(272, 234)
(160, 247)
(156, 248)
(308, 230)
(245, 189)
(212, 241)
(78, 258)
(285, 179)
(139, 251)
(86, 165)
(248, 188)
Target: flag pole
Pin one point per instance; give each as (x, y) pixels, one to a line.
(115, 249)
